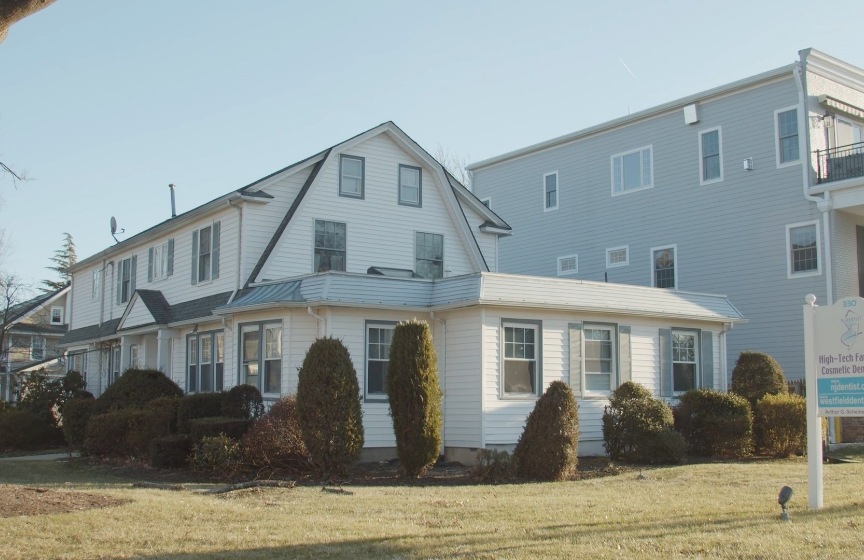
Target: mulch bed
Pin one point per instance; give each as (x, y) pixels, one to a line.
(18, 501)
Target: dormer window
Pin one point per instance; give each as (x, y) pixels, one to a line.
(410, 186)
(351, 176)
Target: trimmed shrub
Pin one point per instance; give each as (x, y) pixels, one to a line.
(23, 430)
(715, 424)
(147, 424)
(45, 397)
(106, 433)
(243, 401)
(493, 466)
(220, 454)
(781, 425)
(199, 405)
(414, 396)
(76, 414)
(757, 374)
(328, 406)
(547, 448)
(170, 452)
(632, 427)
(275, 440)
(169, 407)
(134, 389)
(233, 428)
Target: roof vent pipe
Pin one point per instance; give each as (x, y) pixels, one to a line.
(173, 203)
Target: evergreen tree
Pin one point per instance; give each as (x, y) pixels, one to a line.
(64, 258)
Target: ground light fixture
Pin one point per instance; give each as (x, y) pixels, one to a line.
(783, 500)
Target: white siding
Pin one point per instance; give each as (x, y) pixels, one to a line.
(488, 242)
(380, 232)
(85, 309)
(138, 315)
(461, 378)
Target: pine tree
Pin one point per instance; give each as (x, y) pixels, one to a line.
(64, 259)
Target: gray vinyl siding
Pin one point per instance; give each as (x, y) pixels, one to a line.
(730, 235)
(845, 253)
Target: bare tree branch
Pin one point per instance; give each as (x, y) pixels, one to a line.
(15, 10)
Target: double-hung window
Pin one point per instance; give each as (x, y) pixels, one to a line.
(663, 271)
(206, 362)
(206, 244)
(114, 365)
(711, 156)
(126, 278)
(378, 338)
(56, 315)
(550, 191)
(632, 171)
(600, 358)
(521, 363)
(410, 186)
(261, 356)
(96, 286)
(330, 246)
(786, 123)
(160, 261)
(37, 348)
(429, 255)
(351, 176)
(802, 253)
(685, 360)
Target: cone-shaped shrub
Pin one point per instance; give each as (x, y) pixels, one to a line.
(415, 396)
(757, 374)
(328, 406)
(780, 423)
(547, 448)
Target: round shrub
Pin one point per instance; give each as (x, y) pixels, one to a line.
(715, 424)
(666, 445)
(23, 430)
(414, 396)
(632, 416)
(199, 405)
(243, 401)
(76, 414)
(328, 406)
(757, 374)
(781, 425)
(275, 441)
(170, 452)
(135, 388)
(547, 447)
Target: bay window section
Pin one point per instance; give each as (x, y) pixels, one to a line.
(206, 362)
(261, 356)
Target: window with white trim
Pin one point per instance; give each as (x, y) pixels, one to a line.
(56, 315)
(114, 365)
(663, 271)
(126, 278)
(521, 359)
(351, 176)
(37, 348)
(429, 255)
(632, 171)
(160, 261)
(710, 156)
(379, 335)
(410, 186)
(330, 246)
(134, 358)
(600, 358)
(550, 191)
(96, 286)
(568, 265)
(802, 253)
(685, 360)
(205, 362)
(206, 243)
(261, 356)
(786, 126)
(617, 256)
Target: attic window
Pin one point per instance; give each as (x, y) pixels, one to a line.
(351, 176)
(56, 315)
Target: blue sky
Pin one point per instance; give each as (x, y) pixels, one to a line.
(105, 103)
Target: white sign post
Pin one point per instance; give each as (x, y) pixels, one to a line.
(834, 370)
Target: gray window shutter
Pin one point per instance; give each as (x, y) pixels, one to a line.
(707, 352)
(665, 362)
(195, 257)
(576, 358)
(170, 258)
(150, 264)
(214, 255)
(118, 275)
(132, 273)
(625, 362)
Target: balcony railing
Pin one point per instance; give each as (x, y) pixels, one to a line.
(842, 162)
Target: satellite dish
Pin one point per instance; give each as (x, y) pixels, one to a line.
(113, 225)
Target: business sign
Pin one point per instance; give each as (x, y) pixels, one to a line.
(839, 355)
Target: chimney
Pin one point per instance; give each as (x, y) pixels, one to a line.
(173, 204)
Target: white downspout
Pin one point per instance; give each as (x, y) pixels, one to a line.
(823, 204)
(321, 320)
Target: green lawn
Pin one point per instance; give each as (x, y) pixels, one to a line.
(708, 510)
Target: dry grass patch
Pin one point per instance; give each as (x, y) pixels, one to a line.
(715, 510)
